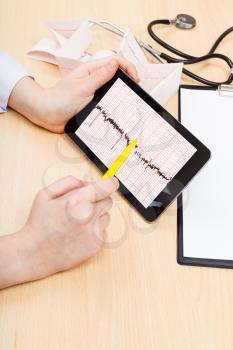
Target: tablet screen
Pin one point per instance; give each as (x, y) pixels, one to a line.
(122, 115)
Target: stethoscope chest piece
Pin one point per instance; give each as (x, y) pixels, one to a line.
(183, 21)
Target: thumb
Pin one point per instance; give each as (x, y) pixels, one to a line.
(100, 76)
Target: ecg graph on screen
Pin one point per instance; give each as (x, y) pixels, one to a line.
(121, 116)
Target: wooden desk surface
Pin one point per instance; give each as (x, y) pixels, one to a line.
(133, 295)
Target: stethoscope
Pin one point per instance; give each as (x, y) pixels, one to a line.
(182, 21)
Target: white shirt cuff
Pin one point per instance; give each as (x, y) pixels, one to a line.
(10, 73)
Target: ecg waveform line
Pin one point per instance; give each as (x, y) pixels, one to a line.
(148, 163)
(112, 122)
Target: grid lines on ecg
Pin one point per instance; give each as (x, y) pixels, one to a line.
(121, 116)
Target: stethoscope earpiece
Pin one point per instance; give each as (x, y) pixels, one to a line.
(183, 21)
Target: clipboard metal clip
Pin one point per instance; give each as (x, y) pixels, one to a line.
(225, 90)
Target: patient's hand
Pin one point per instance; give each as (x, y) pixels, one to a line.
(51, 108)
(67, 225)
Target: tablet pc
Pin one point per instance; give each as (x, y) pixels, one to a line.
(163, 162)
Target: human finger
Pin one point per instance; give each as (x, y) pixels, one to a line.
(102, 207)
(82, 213)
(61, 187)
(95, 191)
(85, 211)
(121, 62)
(99, 77)
(104, 221)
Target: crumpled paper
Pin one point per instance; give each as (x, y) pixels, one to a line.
(69, 48)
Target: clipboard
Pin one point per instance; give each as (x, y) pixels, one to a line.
(197, 243)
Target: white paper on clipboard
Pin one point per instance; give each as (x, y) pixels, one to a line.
(207, 203)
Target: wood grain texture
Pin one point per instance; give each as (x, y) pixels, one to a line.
(133, 295)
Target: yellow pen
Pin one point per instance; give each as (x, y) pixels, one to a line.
(120, 160)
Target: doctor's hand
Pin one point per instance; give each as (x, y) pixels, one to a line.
(66, 225)
(51, 108)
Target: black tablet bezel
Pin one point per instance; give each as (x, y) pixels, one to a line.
(182, 178)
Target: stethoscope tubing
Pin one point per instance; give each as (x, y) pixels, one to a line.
(189, 59)
(186, 58)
